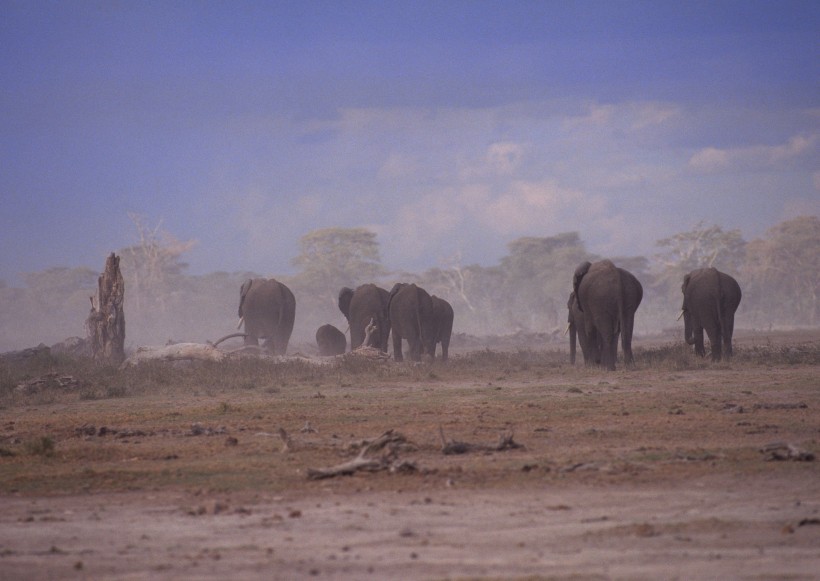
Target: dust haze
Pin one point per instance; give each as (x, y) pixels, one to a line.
(525, 293)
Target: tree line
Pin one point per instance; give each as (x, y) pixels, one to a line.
(527, 291)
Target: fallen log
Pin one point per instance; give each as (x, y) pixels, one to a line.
(175, 352)
(388, 443)
(505, 442)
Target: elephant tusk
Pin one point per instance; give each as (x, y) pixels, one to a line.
(679, 316)
(241, 319)
(567, 329)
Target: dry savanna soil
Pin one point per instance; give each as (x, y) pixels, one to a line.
(504, 463)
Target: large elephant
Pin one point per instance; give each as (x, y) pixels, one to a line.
(412, 319)
(330, 340)
(368, 302)
(710, 299)
(268, 309)
(578, 334)
(443, 316)
(608, 296)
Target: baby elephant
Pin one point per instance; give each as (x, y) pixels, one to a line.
(331, 341)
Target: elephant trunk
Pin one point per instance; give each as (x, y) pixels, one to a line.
(572, 336)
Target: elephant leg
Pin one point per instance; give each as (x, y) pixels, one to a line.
(415, 349)
(397, 354)
(715, 342)
(593, 343)
(626, 339)
(697, 333)
(445, 346)
(611, 353)
(251, 337)
(728, 331)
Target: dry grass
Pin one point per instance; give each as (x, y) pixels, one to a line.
(215, 426)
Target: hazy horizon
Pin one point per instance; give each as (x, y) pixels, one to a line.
(448, 128)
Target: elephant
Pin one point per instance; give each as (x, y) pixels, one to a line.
(608, 297)
(368, 302)
(412, 319)
(710, 299)
(443, 317)
(268, 309)
(576, 328)
(331, 341)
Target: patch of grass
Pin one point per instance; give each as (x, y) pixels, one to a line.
(672, 357)
(42, 446)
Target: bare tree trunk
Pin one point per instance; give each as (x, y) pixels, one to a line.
(106, 321)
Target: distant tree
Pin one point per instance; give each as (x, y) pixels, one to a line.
(330, 259)
(152, 268)
(335, 257)
(538, 279)
(783, 273)
(700, 247)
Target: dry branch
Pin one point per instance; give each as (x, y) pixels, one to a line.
(226, 337)
(388, 443)
(505, 442)
(287, 443)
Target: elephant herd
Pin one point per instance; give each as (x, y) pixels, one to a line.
(268, 310)
(601, 310)
(604, 300)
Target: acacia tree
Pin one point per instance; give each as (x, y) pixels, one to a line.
(538, 279)
(335, 257)
(329, 259)
(153, 267)
(701, 247)
(783, 271)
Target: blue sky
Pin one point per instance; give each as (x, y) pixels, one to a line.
(450, 128)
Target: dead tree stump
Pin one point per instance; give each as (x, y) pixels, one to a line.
(106, 321)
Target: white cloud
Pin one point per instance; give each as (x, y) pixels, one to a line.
(525, 207)
(505, 156)
(713, 159)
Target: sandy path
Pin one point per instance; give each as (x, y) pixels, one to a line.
(712, 528)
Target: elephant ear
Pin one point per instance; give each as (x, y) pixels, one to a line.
(243, 291)
(396, 288)
(580, 272)
(686, 279)
(345, 296)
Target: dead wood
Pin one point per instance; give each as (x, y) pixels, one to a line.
(105, 324)
(368, 332)
(287, 443)
(175, 352)
(308, 429)
(505, 442)
(388, 444)
(778, 451)
(226, 337)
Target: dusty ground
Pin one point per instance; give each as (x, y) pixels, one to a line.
(659, 472)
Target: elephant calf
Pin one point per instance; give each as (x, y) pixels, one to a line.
(331, 341)
(710, 299)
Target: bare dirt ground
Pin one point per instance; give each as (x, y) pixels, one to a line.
(666, 471)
